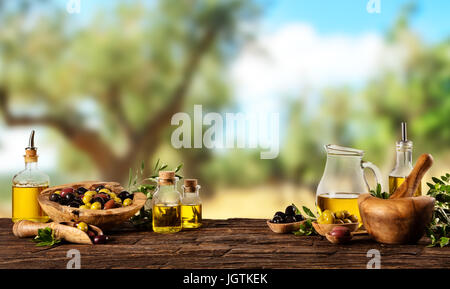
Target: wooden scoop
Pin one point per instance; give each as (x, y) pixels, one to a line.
(66, 231)
(402, 218)
(411, 183)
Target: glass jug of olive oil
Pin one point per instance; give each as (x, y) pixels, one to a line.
(26, 187)
(166, 204)
(343, 180)
(191, 205)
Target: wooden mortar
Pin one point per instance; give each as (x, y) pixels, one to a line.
(402, 218)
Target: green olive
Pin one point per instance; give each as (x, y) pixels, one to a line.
(96, 206)
(87, 199)
(340, 215)
(327, 217)
(83, 226)
(127, 202)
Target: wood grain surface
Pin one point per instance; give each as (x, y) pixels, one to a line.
(233, 243)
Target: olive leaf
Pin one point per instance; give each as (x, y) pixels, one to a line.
(46, 237)
(379, 194)
(439, 228)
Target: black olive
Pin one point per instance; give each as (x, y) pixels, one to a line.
(123, 195)
(290, 211)
(63, 201)
(290, 219)
(70, 197)
(55, 198)
(100, 239)
(99, 188)
(74, 204)
(299, 218)
(98, 199)
(81, 190)
(280, 214)
(277, 220)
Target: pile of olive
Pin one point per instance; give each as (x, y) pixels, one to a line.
(289, 216)
(98, 199)
(96, 238)
(340, 217)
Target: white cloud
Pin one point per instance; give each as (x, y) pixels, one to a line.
(296, 57)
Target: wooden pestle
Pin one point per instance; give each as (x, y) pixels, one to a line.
(24, 228)
(412, 181)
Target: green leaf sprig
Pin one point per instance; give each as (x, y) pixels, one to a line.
(439, 228)
(46, 237)
(306, 229)
(379, 194)
(136, 183)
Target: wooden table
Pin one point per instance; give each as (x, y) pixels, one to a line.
(233, 243)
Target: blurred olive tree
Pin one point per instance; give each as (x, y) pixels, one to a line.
(111, 86)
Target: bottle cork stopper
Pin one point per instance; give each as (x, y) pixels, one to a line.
(190, 185)
(30, 155)
(166, 175)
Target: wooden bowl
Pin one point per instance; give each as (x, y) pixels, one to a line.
(282, 228)
(105, 219)
(396, 221)
(323, 229)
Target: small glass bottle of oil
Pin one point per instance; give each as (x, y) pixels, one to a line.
(166, 204)
(191, 205)
(26, 187)
(403, 165)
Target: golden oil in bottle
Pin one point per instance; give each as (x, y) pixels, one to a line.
(166, 218)
(191, 205)
(166, 204)
(395, 182)
(25, 205)
(26, 187)
(191, 216)
(339, 202)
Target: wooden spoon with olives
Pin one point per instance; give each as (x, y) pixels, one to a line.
(79, 233)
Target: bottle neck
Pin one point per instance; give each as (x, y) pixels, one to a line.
(404, 158)
(166, 187)
(31, 165)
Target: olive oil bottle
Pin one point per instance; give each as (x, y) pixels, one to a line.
(403, 165)
(26, 187)
(166, 204)
(191, 205)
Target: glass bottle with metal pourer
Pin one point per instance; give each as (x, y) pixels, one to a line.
(166, 204)
(403, 165)
(191, 204)
(26, 187)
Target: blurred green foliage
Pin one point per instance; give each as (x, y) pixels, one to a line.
(114, 76)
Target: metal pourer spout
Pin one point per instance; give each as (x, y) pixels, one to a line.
(31, 142)
(404, 132)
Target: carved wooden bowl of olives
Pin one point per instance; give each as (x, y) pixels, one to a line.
(286, 222)
(328, 220)
(102, 204)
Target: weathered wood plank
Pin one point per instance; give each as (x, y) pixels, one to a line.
(234, 243)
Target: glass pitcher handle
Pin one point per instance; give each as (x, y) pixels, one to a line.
(375, 171)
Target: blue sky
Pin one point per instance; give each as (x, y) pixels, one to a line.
(332, 16)
(431, 18)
